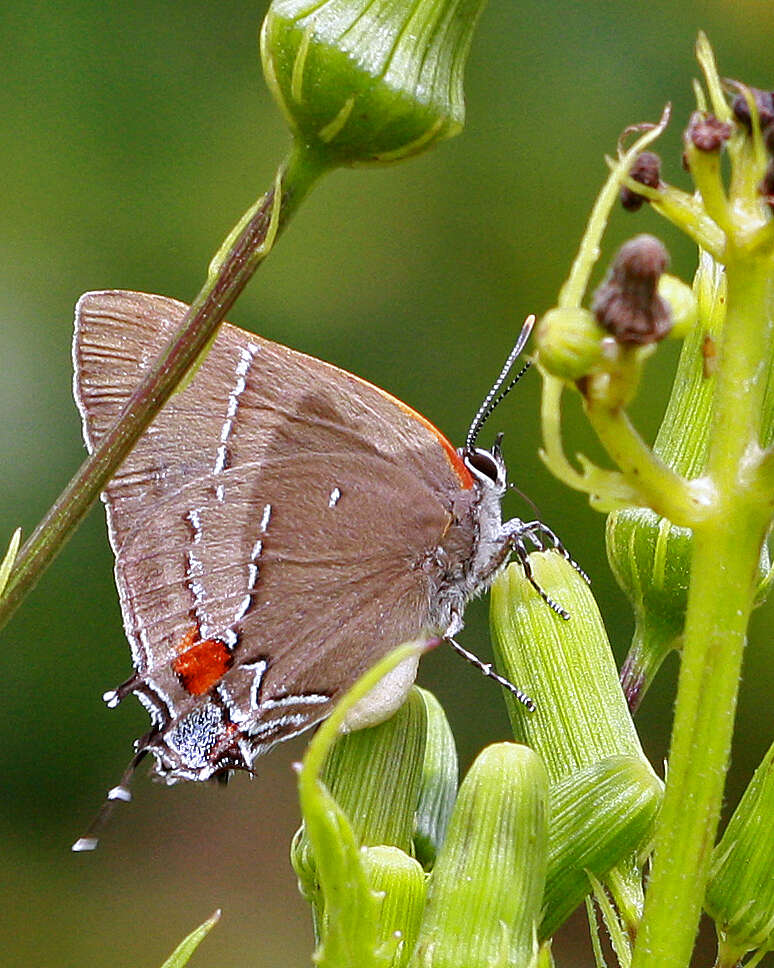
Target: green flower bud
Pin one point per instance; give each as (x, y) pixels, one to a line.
(682, 302)
(364, 81)
(651, 561)
(740, 891)
(600, 815)
(374, 775)
(567, 667)
(486, 889)
(402, 883)
(438, 787)
(569, 343)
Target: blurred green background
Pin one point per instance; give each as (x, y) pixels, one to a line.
(132, 137)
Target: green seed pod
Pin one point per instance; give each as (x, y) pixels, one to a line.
(569, 342)
(364, 81)
(600, 815)
(740, 891)
(402, 883)
(438, 788)
(485, 892)
(567, 668)
(682, 303)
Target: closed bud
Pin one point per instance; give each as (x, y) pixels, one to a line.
(569, 343)
(486, 889)
(706, 133)
(374, 775)
(627, 304)
(438, 785)
(567, 668)
(764, 102)
(740, 891)
(401, 883)
(363, 81)
(600, 816)
(647, 171)
(651, 561)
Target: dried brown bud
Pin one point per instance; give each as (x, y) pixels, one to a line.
(766, 187)
(646, 170)
(627, 304)
(765, 103)
(706, 132)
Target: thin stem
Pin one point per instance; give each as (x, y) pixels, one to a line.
(723, 575)
(231, 271)
(684, 502)
(574, 289)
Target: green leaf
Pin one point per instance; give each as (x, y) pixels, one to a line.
(187, 946)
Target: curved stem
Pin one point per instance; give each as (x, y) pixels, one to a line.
(685, 503)
(232, 269)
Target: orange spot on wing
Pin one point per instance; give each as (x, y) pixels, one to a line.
(200, 663)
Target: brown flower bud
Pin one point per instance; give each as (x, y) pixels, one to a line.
(646, 170)
(765, 103)
(766, 187)
(627, 303)
(706, 132)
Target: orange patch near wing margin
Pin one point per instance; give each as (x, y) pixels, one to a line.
(200, 663)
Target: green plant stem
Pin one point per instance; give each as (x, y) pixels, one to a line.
(232, 269)
(727, 545)
(668, 493)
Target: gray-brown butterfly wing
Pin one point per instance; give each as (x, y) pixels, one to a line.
(278, 528)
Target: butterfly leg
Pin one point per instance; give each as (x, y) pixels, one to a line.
(487, 669)
(543, 538)
(520, 550)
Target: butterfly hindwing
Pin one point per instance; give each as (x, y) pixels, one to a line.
(256, 526)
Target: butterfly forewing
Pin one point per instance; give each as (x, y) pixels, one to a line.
(256, 526)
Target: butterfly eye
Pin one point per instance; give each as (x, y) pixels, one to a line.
(485, 466)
